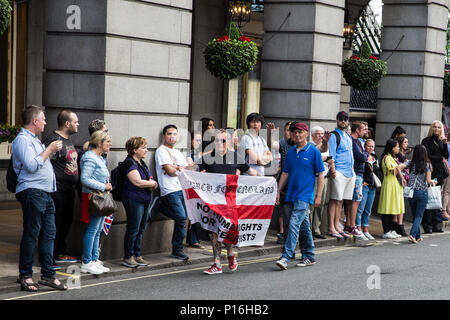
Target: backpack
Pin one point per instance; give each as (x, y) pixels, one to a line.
(11, 177)
(338, 138)
(118, 178)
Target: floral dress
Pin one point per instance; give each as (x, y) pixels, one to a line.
(391, 194)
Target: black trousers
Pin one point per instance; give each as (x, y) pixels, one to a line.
(388, 222)
(431, 221)
(64, 202)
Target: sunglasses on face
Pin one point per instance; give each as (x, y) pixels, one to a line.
(343, 119)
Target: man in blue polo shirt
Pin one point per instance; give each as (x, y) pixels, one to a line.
(303, 162)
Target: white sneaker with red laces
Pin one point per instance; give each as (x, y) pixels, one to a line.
(214, 269)
(232, 263)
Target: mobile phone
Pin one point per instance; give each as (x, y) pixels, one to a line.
(328, 158)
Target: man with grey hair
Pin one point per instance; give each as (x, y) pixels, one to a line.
(35, 183)
(319, 138)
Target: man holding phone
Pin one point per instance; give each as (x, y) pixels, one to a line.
(65, 166)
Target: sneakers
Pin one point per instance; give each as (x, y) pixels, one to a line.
(391, 235)
(180, 255)
(368, 236)
(282, 263)
(306, 262)
(130, 262)
(61, 258)
(358, 234)
(140, 261)
(232, 263)
(100, 266)
(214, 269)
(91, 268)
(395, 234)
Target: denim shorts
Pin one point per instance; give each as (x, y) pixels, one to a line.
(358, 191)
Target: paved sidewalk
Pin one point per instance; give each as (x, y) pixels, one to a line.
(9, 257)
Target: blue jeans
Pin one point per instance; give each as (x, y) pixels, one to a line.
(137, 218)
(299, 223)
(418, 203)
(365, 206)
(38, 224)
(92, 238)
(174, 208)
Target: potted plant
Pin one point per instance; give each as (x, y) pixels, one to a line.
(7, 134)
(230, 56)
(364, 71)
(5, 15)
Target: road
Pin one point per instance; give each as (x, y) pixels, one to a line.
(387, 270)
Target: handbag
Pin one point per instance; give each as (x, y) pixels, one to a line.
(101, 203)
(434, 198)
(376, 180)
(408, 192)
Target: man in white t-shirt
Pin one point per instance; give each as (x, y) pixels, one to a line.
(169, 162)
(253, 146)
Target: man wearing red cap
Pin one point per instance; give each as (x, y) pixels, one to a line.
(303, 162)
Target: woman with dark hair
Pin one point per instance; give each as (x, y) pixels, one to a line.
(208, 128)
(420, 176)
(401, 158)
(436, 144)
(137, 197)
(391, 195)
(398, 132)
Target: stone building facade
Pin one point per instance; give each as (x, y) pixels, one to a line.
(138, 64)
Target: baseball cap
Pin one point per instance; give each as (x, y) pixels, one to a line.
(299, 126)
(342, 114)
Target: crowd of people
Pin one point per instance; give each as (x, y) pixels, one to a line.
(319, 174)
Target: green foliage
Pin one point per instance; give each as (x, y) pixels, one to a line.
(446, 94)
(232, 31)
(228, 59)
(5, 15)
(364, 51)
(8, 132)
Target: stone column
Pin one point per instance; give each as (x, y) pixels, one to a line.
(413, 43)
(301, 61)
(127, 62)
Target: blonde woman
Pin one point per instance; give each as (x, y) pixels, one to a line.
(94, 176)
(436, 144)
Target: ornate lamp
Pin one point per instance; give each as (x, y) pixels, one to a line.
(240, 10)
(349, 28)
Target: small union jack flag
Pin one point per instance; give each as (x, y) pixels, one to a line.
(107, 223)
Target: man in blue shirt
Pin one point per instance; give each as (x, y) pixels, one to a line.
(36, 182)
(343, 184)
(303, 162)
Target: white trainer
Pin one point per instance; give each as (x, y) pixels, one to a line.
(395, 234)
(369, 236)
(100, 266)
(91, 268)
(389, 235)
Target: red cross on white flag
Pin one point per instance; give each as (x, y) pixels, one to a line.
(237, 208)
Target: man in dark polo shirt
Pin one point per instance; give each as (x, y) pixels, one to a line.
(303, 163)
(223, 160)
(65, 165)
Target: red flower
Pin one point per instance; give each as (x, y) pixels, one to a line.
(373, 58)
(354, 57)
(243, 38)
(223, 38)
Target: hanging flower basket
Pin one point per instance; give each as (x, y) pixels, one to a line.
(229, 58)
(5, 15)
(365, 71)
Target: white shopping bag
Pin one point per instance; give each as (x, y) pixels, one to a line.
(434, 198)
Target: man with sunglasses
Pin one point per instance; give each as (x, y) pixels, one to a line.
(343, 184)
(223, 160)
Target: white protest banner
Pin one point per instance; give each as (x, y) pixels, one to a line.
(237, 208)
